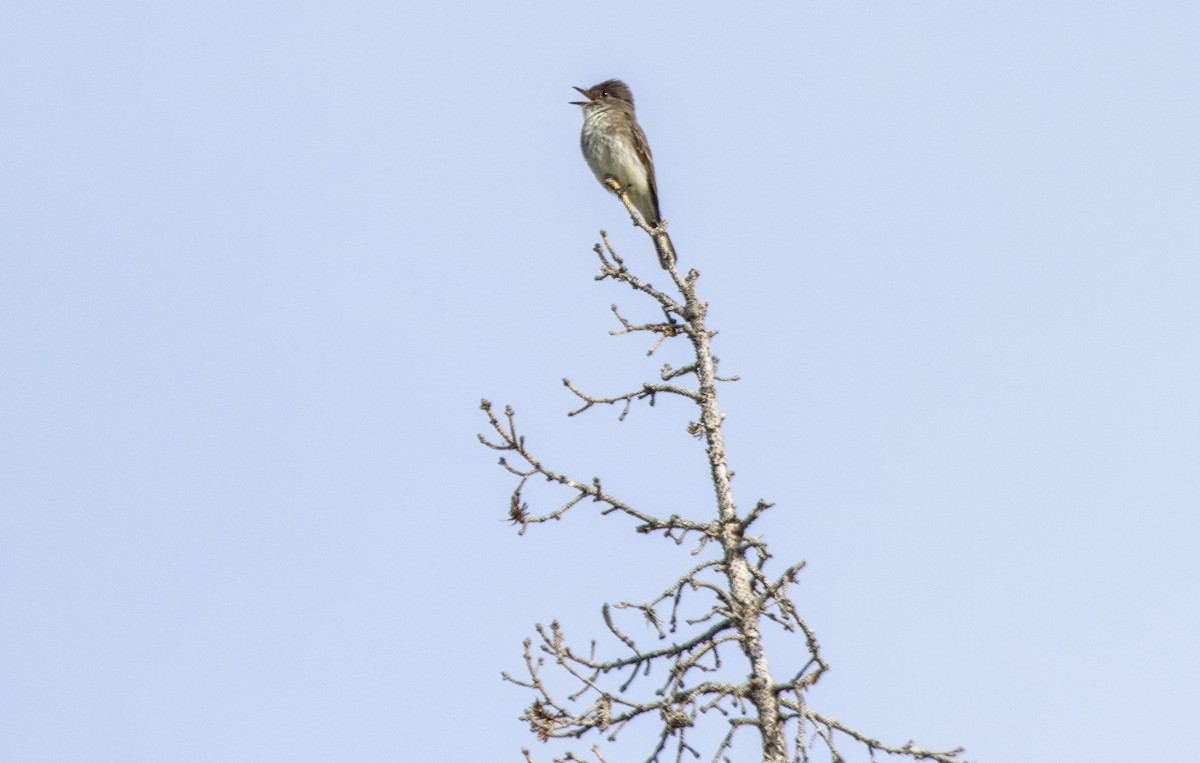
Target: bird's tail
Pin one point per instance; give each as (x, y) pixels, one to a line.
(665, 249)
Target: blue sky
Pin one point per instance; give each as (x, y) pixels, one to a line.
(259, 262)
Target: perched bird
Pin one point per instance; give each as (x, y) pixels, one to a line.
(615, 147)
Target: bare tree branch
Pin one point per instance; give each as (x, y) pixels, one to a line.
(710, 659)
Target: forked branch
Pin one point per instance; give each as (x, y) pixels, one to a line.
(709, 659)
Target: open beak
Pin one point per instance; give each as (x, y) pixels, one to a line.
(584, 93)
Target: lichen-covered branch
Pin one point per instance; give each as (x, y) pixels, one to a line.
(709, 660)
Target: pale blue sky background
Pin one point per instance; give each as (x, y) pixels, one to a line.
(259, 262)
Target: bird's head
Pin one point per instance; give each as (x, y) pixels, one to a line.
(608, 93)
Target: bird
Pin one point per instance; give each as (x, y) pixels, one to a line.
(615, 148)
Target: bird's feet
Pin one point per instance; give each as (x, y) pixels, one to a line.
(615, 186)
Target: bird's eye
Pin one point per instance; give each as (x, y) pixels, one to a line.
(604, 93)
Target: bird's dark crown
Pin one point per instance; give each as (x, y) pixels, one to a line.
(611, 88)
